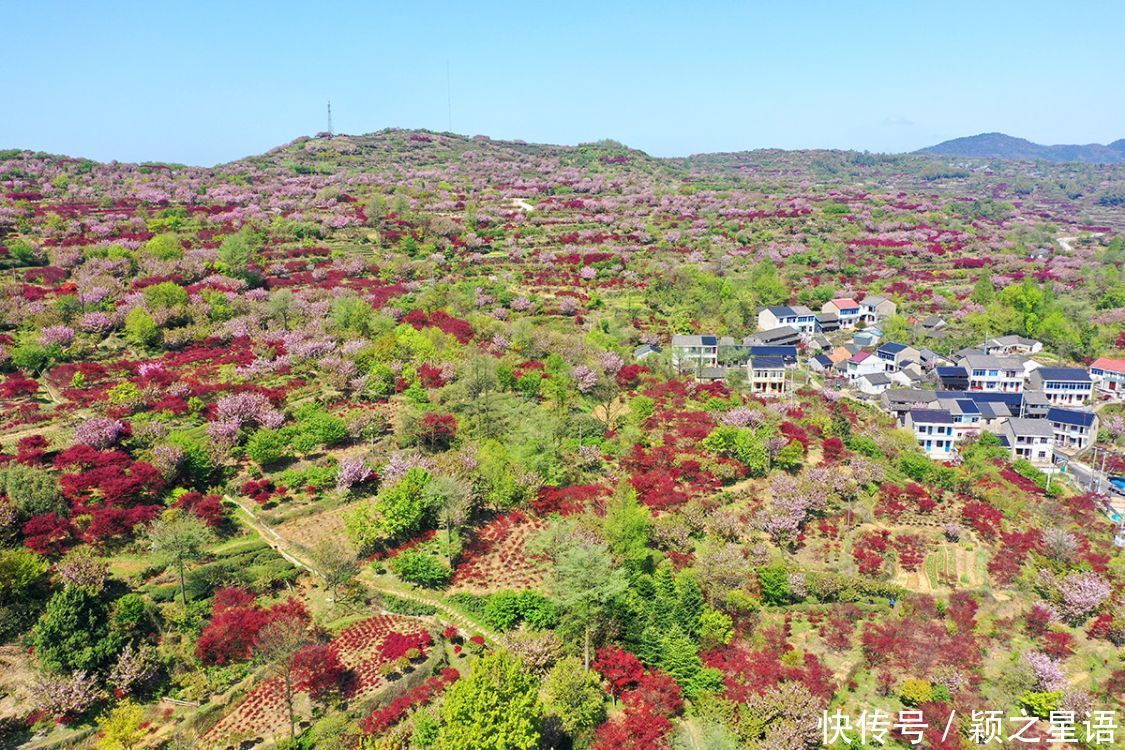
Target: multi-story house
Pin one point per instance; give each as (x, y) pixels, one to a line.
(845, 309)
(766, 376)
(1074, 429)
(991, 373)
(935, 432)
(1062, 385)
(967, 417)
(690, 353)
(779, 336)
(798, 316)
(788, 353)
(863, 363)
(875, 308)
(1108, 375)
(1030, 439)
(894, 355)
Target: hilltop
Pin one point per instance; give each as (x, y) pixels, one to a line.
(1001, 146)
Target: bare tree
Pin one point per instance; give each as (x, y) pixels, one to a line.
(278, 645)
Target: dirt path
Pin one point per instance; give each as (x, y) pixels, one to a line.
(298, 556)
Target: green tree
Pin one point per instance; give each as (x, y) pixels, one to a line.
(177, 538)
(140, 329)
(573, 696)
(790, 457)
(984, 290)
(121, 728)
(585, 584)
(73, 632)
(689, 604)
(267, 446)
(164, 246)
(626, 528)
(352, 313)
(679, 657)
(236, 252)
(282, 305)
(397, 511)
(495, 708)
(33, 491)
(21, 572)
(31, 358)
(716, 628)
(895, 328)
(422, 568)
(774, 582)
(166, 294)
(336, 562)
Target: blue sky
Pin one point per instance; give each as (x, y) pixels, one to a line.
(206, 82)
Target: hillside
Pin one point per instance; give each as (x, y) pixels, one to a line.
(1001, 146)
(348, 439)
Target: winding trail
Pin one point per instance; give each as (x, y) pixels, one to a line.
(298, 556)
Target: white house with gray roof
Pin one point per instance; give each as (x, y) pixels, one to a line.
(1030, 439)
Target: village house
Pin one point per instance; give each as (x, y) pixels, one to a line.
(909, 375)
(873, 383)
(1007, 345)
(899, 401)
(868, 337)
(787, 353)
(931, 325)
(894, 355)
(991, 373)
(779, 336)
(828, 322)
(929, 359)
(819, 343)
(1030, 439)
(821, 363)
(863, 363)
(875, 308)
(767, 376)
(935, 432)
(1062, 385)
(1108, 375)
(846, 310)
(1074, 429)
(966, 415)
(953, 378)
(690, 353)
(799, 317)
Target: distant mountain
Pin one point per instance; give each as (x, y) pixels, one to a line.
(1000, 146)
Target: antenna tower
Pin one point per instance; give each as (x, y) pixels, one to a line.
(329, 117)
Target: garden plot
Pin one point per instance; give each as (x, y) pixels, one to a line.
(497, 558)
(364, 649)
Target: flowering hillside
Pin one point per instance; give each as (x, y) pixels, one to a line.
(380, 441)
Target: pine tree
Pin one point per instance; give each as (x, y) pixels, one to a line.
(689, 604)
(678, 656)
(663, 608)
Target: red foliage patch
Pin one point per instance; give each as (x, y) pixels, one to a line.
(566, 501)
(983, 518)
(382, 719)
(236, 620)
